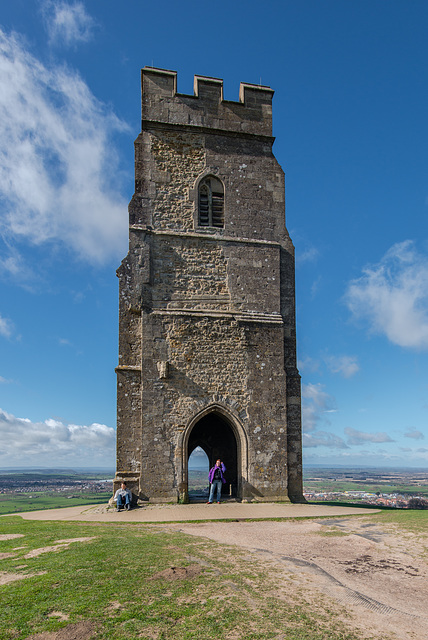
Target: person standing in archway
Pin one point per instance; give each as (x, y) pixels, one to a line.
(216, 479)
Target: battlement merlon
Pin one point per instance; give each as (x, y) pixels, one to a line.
(206, 108)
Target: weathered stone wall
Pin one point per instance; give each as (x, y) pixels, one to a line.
(212, 358)
(206, 315)
(178, 159)
(187, 281)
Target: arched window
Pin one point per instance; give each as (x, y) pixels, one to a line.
(211, 203)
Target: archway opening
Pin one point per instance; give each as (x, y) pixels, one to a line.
(214, 434)
(197, 474)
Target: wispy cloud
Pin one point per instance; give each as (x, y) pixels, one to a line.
(58, 168)
(346, 366)
(54, 443)
(13, 266)
(64, 342)
(67, 24)
(323, 439)
(359, 437)
(310, 254)
(414, 434)
(308, 364)
(6, 327)
(199, 453)
(315, 404)
(392, 296)
(315, 286)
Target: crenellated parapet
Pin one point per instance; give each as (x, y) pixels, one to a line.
(252, 114)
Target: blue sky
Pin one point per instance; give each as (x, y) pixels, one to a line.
(350, 105)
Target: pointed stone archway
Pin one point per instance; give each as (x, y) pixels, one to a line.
(222, 436)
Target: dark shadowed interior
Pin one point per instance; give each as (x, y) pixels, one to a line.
(215, 436)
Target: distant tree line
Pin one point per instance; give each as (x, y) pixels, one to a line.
(417, 503)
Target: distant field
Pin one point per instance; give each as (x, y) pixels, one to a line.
(402, 482)
(14, 503)
(34, 490)
(356, 485)
(198, 479)
(36, 501)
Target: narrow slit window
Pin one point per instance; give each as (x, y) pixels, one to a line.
(211, 203)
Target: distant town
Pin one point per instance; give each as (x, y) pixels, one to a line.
(34, 489)
(51, 480)
(396, 488)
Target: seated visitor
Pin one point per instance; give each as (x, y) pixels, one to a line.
(123, 497)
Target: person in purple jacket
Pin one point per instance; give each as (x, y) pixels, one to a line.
(216, 478)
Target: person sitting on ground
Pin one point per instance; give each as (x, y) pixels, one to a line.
(123, 497)
(216, 479)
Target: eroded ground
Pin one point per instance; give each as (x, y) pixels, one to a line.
(377, 572)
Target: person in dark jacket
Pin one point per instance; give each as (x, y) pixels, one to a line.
(217, 479)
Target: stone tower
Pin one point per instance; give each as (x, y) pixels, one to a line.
(207, 339)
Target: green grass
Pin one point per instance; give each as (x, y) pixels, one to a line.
(34, 501)
(409, 520)
(111, 581)
(333, 533)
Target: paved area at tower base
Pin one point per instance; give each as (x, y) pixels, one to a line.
(194, 512)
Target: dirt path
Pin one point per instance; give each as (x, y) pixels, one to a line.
(378, 574)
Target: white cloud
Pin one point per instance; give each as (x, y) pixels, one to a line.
(358, 437)
(392, 296)
(315, 286)
(6, 327)
(58, 168)
(315, 403)
(308, 364)
(415, 434)
(67, 24)
(13, 265)
(347, 366)
(53, 443)
(310, 254)
(323, 439)
(198, 452)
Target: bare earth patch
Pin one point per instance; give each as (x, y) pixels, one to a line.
(114, 606)
(10, 536)
(84, 630)
(381, 577)
(60, 544)
(70, 540)
(6, 576)
(178, 573)
(59, 615)
(38, 552)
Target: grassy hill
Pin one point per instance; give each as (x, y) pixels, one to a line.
(126, 581)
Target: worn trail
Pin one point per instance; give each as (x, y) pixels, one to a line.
(380, 577)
